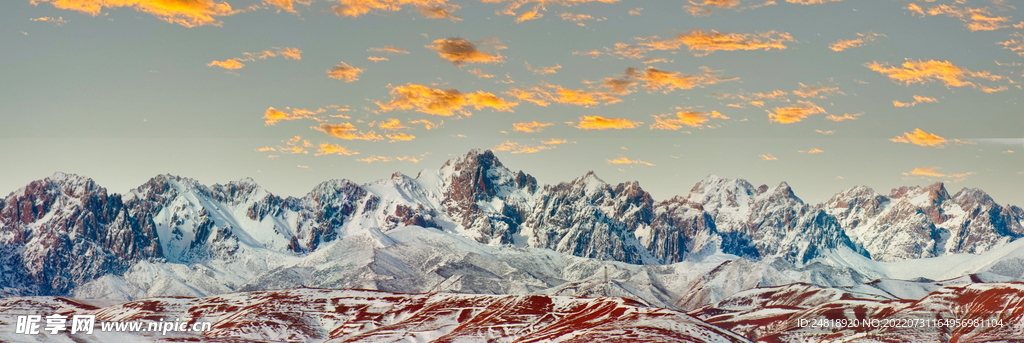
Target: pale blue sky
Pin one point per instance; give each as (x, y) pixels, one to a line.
(123, 96)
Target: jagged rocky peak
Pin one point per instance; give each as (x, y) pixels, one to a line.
(715, 192)
(933, 194)
(782, 192)
(482, 174)
(241, 191)
(855, 196)
(35, 200)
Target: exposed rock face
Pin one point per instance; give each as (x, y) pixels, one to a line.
(318, 315)
(48, 225)
(64, 230)
(795, 313)
(916, 222)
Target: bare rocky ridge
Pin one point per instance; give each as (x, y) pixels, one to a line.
(51, 223)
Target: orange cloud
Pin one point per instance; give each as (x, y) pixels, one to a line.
(376, 59)
(266, 148)
(1015, 43)
(344, 72)
(919, 137)
(461, 51)
(579, 18)
(602, 123)
(347, 131)
(236, 63)
(704, 7)
(916, 71)
(538, 7)
(389, 49)
(918, 99)
(390, 124)
(400, 137)
(427, 125)
(811, 2)
(480, 74)
(543, 70)
(866, 37)
(517, 148)
(294, 145)
(356, 8)
(334, 149)
(447, 102)
(440, 12)
(703, 43)
(794, 114)
(287, 5)
(667, 81)
(375, 158)
(190, 13)
(688, 118)
(546, 93)
(624, 160)
(531, 127)
(231, 64)
(273, 115)
(820, 92)
(58, 21)
(636, 11)
(812, 151)
(975, 19)
(768, 157)
(755, 99)
(554, 141)
(845, 116)
(934, 172)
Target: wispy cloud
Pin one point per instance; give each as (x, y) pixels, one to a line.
(546, 93)
(919, 137)
(864, 39)
(535, 8)
(702, 8)
(794, 114)
(190, 13)
(447, 102)
(440, 12)
(602, 123)
(461, 51)
(347, 131)
(480, 73)
(933, 172)
(389, 49)
(919, 71)
(811, 151)
(844, 117)
(518, 148)
(272, 115)
(543, 70)
(580, 19)
(665, 81)
(624, 160)
(702, 43)
(287, 5)
(400, 137)
(531, 127)
(1015, 43)
(974, 18)
(356, 8)
(681, 118)
(636, 11)
(376, 158)
(427, 125)
(58, 21)
(811, 2)
(344, 72)
(236, 63)
(820, 92)
(768, 157)
(334, 149)
(918, 99)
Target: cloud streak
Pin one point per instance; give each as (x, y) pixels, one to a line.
(919, 137)
(794, 114)
(920, 71)
(684, 118)
(189, 13)
(460, 51)
(602, 123)
(625, 160)
(934, 173)
(845, 44)
(344, 72)
(442, 102)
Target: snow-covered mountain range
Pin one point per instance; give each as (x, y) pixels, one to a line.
(489, 230)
